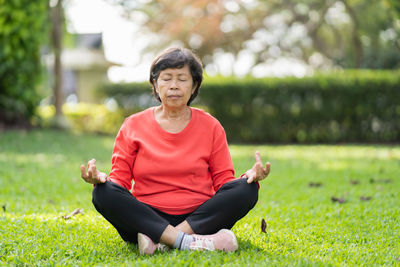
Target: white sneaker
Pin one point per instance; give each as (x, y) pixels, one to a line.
(147, 246)
(224, 240)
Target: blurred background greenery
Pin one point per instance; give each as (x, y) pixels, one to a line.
(276, 71)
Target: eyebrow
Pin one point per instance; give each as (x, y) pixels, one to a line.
(169, 74)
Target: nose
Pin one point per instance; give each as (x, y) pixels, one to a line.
(173, 84)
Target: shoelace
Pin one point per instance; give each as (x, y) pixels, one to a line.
(202, 243)
(161, 247)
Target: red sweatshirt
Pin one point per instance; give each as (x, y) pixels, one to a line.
(173, 172)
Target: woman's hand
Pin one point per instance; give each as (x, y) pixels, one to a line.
(93, 176)
(258, 172)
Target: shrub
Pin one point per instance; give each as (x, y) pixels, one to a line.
(84, 117)
(350, 106)
(22, 32)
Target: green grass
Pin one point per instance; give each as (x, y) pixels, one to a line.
(40, 182)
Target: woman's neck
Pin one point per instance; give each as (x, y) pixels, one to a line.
(171, 120)
(181, 114)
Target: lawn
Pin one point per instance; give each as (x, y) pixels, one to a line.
(301, 202)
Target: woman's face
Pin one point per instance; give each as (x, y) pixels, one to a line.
(175, 87)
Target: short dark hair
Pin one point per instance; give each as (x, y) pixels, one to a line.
(176, 58)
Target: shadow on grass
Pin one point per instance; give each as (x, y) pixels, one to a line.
(246, 245)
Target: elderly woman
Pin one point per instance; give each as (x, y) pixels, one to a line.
(184, 192)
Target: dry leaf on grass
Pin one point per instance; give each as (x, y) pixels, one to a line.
(364, 198)
(315, 184)
(338, 199)
(75, 212)
(263, 225)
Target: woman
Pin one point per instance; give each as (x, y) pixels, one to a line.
(184, 192)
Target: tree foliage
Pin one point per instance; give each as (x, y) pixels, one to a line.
(347, 33)
(394, 5)
(22, 32)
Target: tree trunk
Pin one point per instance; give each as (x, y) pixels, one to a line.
(358, 50)
(56, 37)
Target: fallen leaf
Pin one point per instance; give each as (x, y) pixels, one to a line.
(263, 225)
(338, 199)
(75, 212)
(364, 198)
(315, 184)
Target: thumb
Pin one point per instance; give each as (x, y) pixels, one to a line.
(102, 179)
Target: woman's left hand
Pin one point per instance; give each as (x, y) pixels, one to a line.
(258, 172)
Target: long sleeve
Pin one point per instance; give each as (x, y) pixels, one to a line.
(173, 172)
(220, 163)
(123, 157)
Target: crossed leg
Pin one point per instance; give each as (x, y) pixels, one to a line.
(130, 216)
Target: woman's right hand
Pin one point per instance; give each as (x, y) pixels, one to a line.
(93, 176)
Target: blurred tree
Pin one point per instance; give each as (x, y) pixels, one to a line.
(347, 33)
(23, 30)
(395, 5)
(395, 8)
(56, 13)
(203, 25)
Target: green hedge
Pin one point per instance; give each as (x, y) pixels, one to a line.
(351, 106)
(23, 25)
(83, 118)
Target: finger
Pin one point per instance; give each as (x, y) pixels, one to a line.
(92, 167)
(250, 179)
(266, 171)
(260, 169)
(91, 162)
(85, 176)
(258, 157)
(268, 167)
(259, 166)
(90, 173)
(103, 179)
(83, 171)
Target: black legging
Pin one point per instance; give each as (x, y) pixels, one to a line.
(130, 216)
